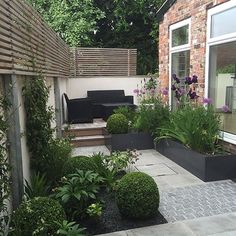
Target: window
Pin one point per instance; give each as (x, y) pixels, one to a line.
(223, 23)
(180, 36)
(222, 86)
(221, 65)
(179, 53)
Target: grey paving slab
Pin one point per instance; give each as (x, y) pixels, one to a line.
(88, 151)
(156, 169)
(177, 229)
(220, 224)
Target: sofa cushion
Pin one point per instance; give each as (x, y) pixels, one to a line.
(106, 96)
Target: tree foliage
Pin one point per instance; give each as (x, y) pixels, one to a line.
(107, 23)
(75, 21)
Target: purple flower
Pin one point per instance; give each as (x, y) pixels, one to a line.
(207, 101)
(165, 91)
(177, 80)
(152, 91)
(194, 79)
(136, 91)
(188, 80)
(225, 108)
(173, 87)
(193, 95)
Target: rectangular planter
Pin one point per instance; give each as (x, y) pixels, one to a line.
(205, 167)
(122, 142)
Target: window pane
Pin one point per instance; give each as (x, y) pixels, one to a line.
(223, 83)
(180, 67)
(223, 23)
(180, 36)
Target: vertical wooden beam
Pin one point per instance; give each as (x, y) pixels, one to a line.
(58, 106)
(128, 62)
(14, 139)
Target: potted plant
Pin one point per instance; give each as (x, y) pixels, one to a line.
(123, 137)
(191, 138)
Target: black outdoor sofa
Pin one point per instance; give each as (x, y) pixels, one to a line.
(105, 101)
(98, 104)
(79, 110)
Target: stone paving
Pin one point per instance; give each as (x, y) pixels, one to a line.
(198, 201)
(184, 196)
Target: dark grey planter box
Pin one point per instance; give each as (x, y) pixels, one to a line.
(122, 142)
(205, 167)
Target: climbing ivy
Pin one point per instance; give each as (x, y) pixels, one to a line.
(4, 167)
(38, 121)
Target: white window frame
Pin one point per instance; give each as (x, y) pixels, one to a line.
(181, 48)
(226, 38)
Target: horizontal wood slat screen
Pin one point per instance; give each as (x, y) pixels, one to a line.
(103, 62)
(28, 44)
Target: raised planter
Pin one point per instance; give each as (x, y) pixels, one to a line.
(122, 142)
(205, 167)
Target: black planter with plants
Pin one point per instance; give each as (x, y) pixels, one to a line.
(122, 142)
(120, 139)
(205, 167)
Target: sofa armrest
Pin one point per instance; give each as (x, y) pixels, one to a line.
(129, 99)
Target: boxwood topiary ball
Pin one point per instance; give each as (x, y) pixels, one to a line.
(38, 216)
(117, 124)
(137, 196)
(81, 163)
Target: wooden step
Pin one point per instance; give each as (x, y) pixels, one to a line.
(86, 141)
(82, 132)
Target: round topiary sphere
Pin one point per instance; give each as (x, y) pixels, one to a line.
(81, 163)
(137, 196)
(37, 216)
(117, 124)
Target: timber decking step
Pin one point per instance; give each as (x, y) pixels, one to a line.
(85, 141)
(81, 132)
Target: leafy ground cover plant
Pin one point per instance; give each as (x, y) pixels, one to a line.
(38, 187)
(195, 127)
(109, 167)
(77, 191)
(70, 229)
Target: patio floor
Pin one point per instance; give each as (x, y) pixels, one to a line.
(191, 206)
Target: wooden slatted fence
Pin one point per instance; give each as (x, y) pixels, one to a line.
(103, 62)
(28, 44)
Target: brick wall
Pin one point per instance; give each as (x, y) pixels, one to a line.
(181, 10)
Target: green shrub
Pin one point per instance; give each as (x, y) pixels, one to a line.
(81, 163)
(151, 117)
(137, 196)
(128, 112)
(117, 124)
(38, 216)
(59, 151)
(195, 127)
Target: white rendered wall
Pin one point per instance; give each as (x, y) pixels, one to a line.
(78, 87)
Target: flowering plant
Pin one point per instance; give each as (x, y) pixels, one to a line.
(185, 90)
(149, 91)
